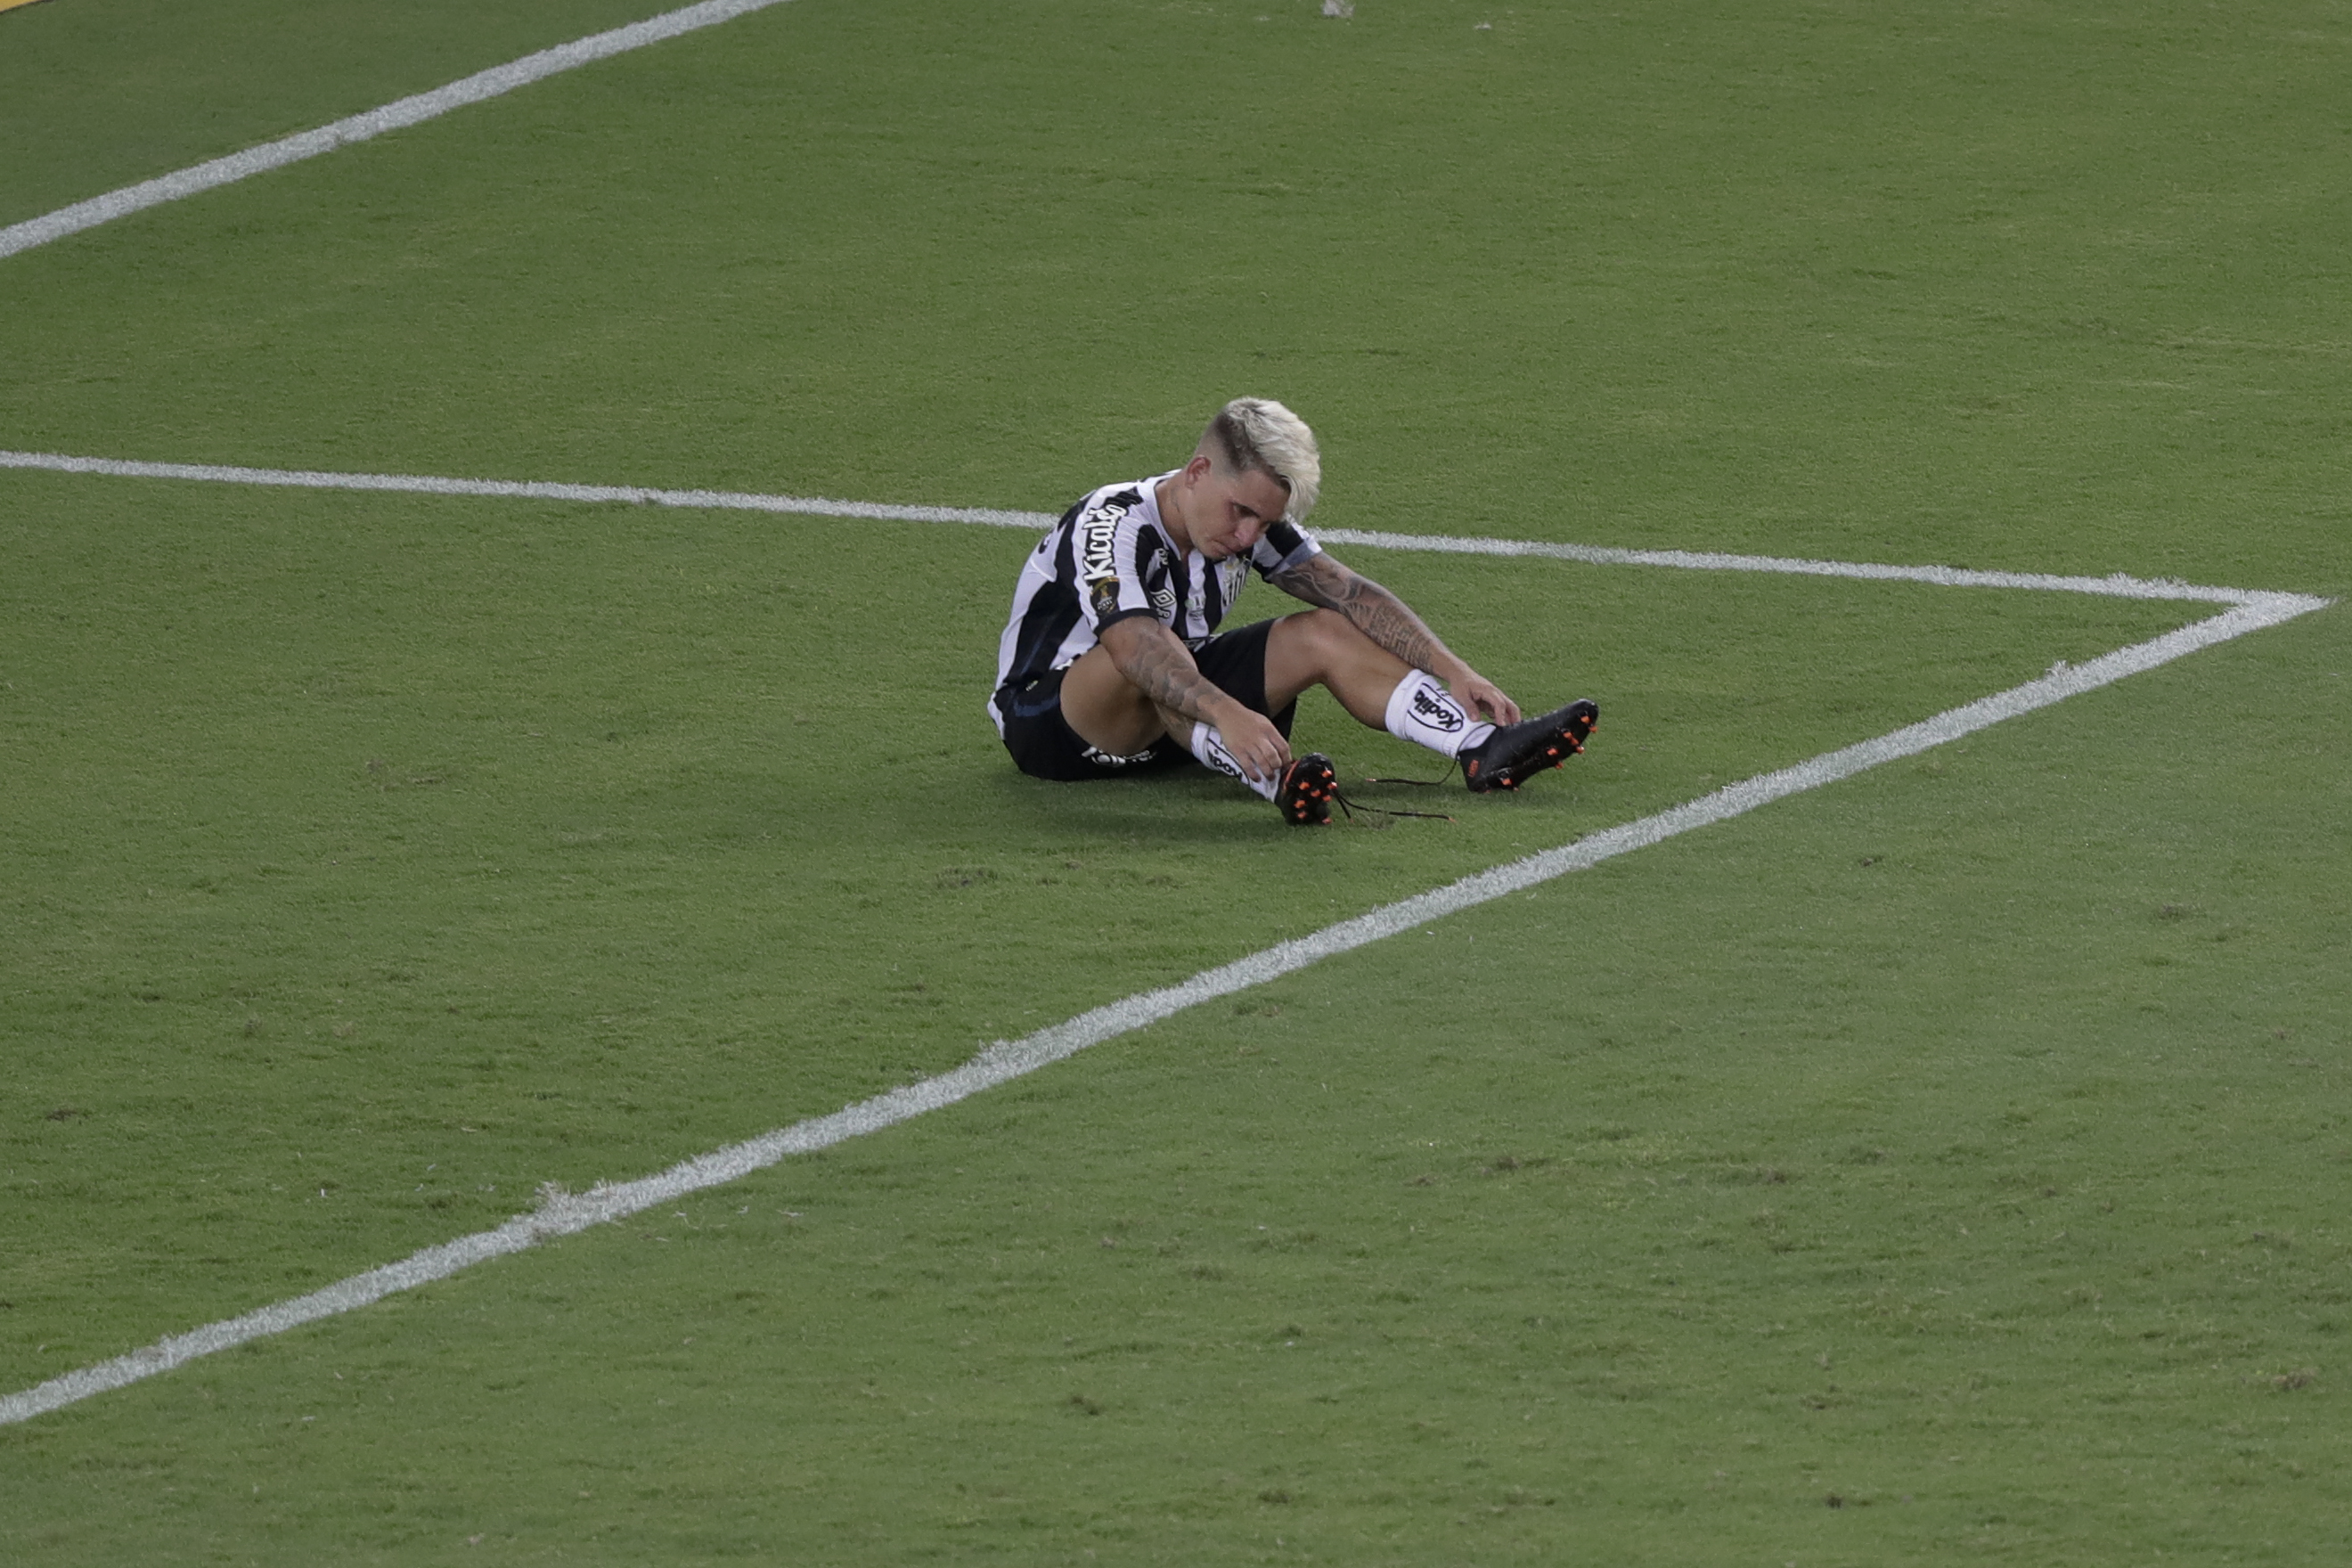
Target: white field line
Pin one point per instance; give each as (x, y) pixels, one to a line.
(392, 116)
(2118, 585)
(427, 484)
(561, 1213)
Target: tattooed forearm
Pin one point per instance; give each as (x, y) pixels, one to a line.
(1380, 615)
(1390, 623)
(1160, 667)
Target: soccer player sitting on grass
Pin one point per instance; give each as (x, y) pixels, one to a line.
(1113, 647)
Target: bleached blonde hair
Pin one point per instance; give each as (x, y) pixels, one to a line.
(1259, 435)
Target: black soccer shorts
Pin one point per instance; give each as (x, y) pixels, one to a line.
(1045, 747)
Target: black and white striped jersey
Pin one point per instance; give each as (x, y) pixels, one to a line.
(1110, 557)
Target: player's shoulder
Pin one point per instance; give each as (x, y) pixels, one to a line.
(1109, 503)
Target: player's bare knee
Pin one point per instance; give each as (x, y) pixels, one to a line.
(1318, 635)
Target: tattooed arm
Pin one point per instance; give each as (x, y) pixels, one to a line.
(1389, 623)
(1148, 657)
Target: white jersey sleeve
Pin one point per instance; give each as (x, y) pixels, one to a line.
(1112, 549)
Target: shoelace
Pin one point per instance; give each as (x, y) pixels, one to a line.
(1353, 806)
(1445, 777)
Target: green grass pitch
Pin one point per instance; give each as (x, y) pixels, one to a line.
(1946, 1166)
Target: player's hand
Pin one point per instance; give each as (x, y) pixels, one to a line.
(1483, 698)
(1253, 741)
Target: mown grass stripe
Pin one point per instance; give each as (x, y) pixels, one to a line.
(561, 1214)
(394, 116)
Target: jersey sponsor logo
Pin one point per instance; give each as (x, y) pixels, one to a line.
(1434, 710)
(1099, 541)
(1098, 556)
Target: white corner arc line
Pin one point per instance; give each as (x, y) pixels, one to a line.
(561, 1214)
(2116, 586)
(394, 116)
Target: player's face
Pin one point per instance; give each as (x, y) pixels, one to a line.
(1227, 514)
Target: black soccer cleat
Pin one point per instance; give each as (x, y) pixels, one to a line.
(1517, 752)
(1309, 786)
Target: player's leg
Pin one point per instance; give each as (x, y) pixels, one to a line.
(1323, 647)
(1105, 711)
(1045, 746)
(1109, 714)
(1263, 667)
(1236, 662)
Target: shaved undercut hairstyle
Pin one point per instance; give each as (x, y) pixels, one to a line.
(1257, 434)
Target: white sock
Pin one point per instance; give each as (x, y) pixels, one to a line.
(1210, 747)
(1421, 711)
